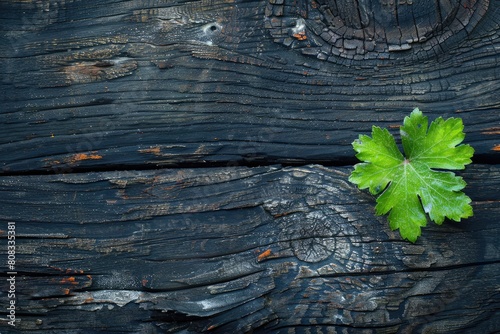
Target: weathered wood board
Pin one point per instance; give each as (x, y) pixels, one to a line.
(235, 249)
(166, 83)
(142, 164)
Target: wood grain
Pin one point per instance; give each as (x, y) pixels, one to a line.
(142, 161)
(204, 83)
(239, 249)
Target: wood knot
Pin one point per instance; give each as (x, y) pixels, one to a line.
(336, 30)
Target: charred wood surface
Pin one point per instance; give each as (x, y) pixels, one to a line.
(124, 84)
(237, 249)
(142, 162)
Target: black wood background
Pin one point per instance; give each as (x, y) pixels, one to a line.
(178, 166)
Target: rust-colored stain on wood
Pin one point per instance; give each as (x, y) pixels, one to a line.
(491, 131)
(74, 159)
(82, 156)
(264, 255)
(301, 36)
(152, 150)
(69, 280)
(105, 69)
(394, 126)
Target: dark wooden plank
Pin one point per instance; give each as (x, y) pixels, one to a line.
(121, 84)
(137, 84)
(230, 250)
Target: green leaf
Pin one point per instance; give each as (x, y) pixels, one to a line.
(409, 187)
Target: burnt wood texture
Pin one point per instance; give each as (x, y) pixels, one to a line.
(236, 249)
(181, 166)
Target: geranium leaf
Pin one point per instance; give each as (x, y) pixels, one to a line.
(410, 186)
